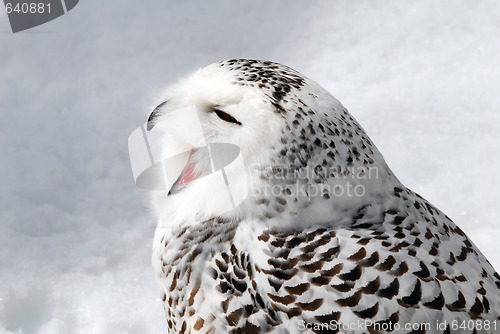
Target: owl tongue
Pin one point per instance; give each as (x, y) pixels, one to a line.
(188, 174)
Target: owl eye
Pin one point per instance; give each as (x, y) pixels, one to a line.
(226, 117)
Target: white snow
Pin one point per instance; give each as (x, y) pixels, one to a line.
(421, 77)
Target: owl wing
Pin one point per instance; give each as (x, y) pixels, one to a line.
(388, 267)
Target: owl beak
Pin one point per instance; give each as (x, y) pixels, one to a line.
(153, 117)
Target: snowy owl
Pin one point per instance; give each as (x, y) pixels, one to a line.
(319, 237)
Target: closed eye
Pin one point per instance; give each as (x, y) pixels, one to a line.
(226, 117)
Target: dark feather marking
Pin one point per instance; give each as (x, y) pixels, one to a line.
(399, 246)
(364, 241)
(275, 284)
(199, 324)
(295, 241)
(286, 265)
(234, 317)
(414, 298)
(437, 303)
(222, 266)
(293, 312)
(350, 301)
(311, 306)
(174, 281)
(241, 286)
(283, 253)
(194, 292)
(391, 290)
(359, 255)
(343, 287)
(423, 272)
(321, 280)
(368, 313)
(463, 254)
(298, 289)
(371, 261)
(278, 242)
(387, 264)
(312, 267)
(330, 253)
(281, 274)
(259, 300)
(332, 271)
(476, 309)
(313, 245)
(402, 269)
(197, 251)
(263, 237)
(225, 304)
(249, 328)
(486, 304)
(306, 257)
(224, 287)
(285, 300)
(353, 275)
(372, 287)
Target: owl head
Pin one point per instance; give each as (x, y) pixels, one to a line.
(251, 139)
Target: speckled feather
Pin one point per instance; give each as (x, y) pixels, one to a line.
(288, 261)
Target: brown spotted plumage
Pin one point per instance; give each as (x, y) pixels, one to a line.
(326, 237)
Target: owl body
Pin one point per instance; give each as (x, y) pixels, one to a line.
(393, 265)
(326, 240)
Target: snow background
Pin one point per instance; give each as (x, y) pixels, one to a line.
(75, 237)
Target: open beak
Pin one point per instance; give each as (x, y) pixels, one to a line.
(160, 160)
(188, 174)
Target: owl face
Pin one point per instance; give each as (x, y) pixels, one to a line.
(226, 130)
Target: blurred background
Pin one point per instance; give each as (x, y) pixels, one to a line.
(422, 78)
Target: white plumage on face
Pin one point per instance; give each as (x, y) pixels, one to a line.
(325, 233)
(226, 113)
